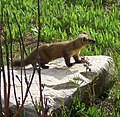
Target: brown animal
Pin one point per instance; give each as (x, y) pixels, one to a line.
(49, 52)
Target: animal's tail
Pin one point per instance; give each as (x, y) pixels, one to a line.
(18, 63)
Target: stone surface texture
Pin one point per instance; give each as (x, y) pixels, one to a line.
(63, 83)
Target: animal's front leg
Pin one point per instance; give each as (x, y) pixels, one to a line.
(76, 58)
(67, 61)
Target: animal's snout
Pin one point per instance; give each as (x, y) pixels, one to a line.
(92, 41)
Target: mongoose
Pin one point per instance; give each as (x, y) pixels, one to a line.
(49, 52)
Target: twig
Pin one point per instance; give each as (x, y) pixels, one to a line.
(2, 67)
(1, 29)
(27, 83)
(86, 63)
(87, 67)
(8, 72)
(20, 33)
(11, 41)
(27, 90)
(38, 56)
(22, 49)
(22, 56)
(5, 89)
(18, 78)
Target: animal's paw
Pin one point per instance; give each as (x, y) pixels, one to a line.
(45, 67)
(70, 65)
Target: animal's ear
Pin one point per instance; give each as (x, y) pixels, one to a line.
(84, 33)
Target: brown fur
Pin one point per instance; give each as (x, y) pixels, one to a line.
(49, 52)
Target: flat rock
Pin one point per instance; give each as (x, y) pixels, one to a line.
(63, 83)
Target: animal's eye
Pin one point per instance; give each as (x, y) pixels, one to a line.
(84, 39)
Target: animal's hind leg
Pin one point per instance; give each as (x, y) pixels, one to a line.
(44, 66)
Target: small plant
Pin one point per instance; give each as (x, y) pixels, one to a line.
(77, 108)
(117, 102)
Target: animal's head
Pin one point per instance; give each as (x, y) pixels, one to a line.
(84, 39)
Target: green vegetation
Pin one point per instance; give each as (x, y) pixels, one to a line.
(65, 19)
(78, 109)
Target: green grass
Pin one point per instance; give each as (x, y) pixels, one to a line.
(65, 19)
